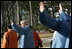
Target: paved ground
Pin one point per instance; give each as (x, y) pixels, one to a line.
(46, 42)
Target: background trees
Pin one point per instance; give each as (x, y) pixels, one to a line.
(19, 10)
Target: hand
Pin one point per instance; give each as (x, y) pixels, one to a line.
(41, 7)
(60, 8)
(11, 22)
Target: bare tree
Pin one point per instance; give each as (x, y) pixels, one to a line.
(17, 12)
(30, 12)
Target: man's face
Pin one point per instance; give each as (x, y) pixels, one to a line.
(23, 24)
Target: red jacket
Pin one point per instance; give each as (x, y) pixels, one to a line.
(36, 39)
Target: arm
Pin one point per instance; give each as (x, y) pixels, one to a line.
(19, 29)
(64, 16)
(48, 21)
(5, 41)
(66, 19)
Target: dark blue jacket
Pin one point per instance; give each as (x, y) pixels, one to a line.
(27, 37)
(62, 38)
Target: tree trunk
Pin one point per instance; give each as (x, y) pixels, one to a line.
(17, 12)
(30, 12)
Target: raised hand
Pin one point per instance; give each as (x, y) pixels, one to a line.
(41, 6)
(11, 22)
(60, 8)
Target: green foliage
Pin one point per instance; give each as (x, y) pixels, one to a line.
(9, 11)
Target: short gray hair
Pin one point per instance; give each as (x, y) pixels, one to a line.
(23, 21)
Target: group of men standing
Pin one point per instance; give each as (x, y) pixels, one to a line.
(62, 38)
